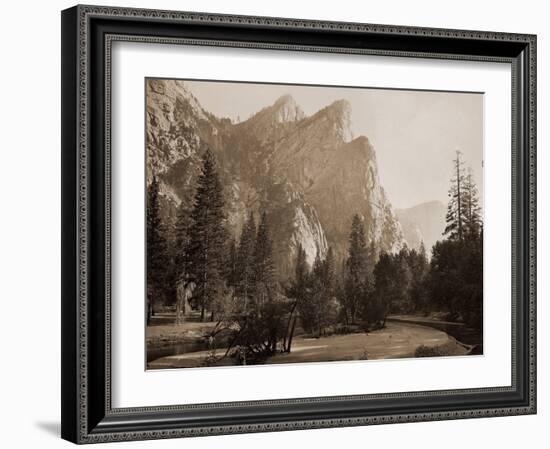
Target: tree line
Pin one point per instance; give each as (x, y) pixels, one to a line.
(237, 284)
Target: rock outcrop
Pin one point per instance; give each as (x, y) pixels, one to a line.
(307, 173)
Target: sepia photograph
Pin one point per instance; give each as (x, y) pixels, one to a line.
(303, 223)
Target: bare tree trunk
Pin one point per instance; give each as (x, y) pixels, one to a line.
(291, 335)
(285, 347)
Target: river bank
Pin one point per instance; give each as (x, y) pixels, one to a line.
(396, 340)
(473, 338)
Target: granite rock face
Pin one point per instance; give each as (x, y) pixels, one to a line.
(308, 173)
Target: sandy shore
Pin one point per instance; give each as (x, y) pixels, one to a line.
(396, 340)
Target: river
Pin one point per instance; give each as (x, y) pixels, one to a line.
(396, 340)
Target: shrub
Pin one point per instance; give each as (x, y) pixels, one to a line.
(431, 351)
(342, 329)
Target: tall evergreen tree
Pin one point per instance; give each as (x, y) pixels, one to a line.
(181, 237)
(207, 235)
(264, 267)
(403, 279)
(472, 209)
(372, 258)
(329, 272)
(172, 273)
(455, 209)
(322, 310)
(422, 250)
(384, 289)
(301, 272)
(418, 266)
(157, 259)
(472, 271)
(301, 269)
(231, 274)
(245, 262)
(356, 283)
(454, 282)
(298, 291)
(319, 296)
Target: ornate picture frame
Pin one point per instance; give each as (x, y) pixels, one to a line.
(88, 33)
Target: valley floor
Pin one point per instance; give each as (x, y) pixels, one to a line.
(399, 339)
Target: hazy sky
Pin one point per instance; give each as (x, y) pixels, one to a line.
(415, 133)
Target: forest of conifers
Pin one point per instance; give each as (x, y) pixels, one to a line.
(235, 282)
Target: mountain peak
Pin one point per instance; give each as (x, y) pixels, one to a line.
(285, 109)
(285, 99)
(342, 106)
(309, 174)
(338, 115)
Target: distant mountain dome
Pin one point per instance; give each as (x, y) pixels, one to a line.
(423, 222)
(307, 172)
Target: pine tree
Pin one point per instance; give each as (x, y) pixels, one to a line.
(403, 279)
(157, 259)
(231, 274)
(318, 297)
(245, 261)
(264, 267)
(455, 209)
(372, 258)
(182, 226)
(320, 310)
(356, 269)
(172, 273)
(384, 288)
(422, 250)
(330, 272)
(301, 272)
(472, 209)
(207, 235)
(357, 262)
(418, 266)
(297, 291)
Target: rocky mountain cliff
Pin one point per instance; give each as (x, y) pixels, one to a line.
(307, 172)
(423, 223)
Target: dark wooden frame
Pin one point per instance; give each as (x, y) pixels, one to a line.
(87, 34)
